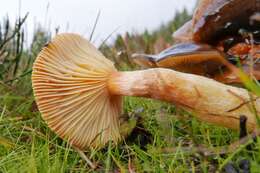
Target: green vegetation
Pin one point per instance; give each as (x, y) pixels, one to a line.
(164, 138)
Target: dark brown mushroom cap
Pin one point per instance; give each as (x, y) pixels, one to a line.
(214, 18)
(212, 21)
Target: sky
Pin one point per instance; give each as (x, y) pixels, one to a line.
(79, 15)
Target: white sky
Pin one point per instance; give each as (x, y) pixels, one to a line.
(79, 15)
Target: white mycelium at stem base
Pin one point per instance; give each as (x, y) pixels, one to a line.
(78, 92)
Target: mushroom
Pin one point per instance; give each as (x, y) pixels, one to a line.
(189, 57)
(79, 93)
(211, 37)
(70, 86)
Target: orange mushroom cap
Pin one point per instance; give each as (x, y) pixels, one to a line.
(69, 82)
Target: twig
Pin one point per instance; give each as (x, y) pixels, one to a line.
(242, 125)
(105, 40)
(95, 25)
(251, 64)
(16, 30)
(244, 102)
(84, 157)
(205, 151)
(40, 134)
(22, 75)
(6, 86)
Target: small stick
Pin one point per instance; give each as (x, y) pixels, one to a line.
(84, 157)
(205, 151)
(242, 125)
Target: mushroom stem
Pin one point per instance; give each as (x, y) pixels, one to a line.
(210, 100)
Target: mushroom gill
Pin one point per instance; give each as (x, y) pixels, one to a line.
(69, 82)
